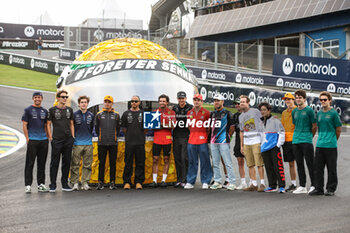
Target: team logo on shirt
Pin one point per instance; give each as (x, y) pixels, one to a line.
(129, 118)
(42, 114)
(68, 114)
(57, 114)
(140, 117)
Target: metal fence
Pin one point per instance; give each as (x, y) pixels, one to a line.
(252, 57)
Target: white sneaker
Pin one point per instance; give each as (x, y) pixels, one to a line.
(86, 187)
(216, 185)
(205, 186)
(242, 186)
(312, 188)
(188, 186)
(75, 187)
(300, 190)
(231, 187)
(42, 188)
(28, 189)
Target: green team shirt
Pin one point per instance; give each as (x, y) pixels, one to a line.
(303, 120)
(327, 122)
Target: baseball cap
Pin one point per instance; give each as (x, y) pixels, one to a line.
(218, 97)
(181, 94)
(38, 93)
(108, 97)
(198, 96)
(288, 95)
(237, 100)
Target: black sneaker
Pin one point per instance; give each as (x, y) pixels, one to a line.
(177, 185)
(316, 192)
(225, 184)
(329, 193)
(52, 189)
(291, 188)
(66, 188)
(112, 185)
(153, 185)
(163, 184)
(100, 186)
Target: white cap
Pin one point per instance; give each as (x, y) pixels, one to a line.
(218, 97)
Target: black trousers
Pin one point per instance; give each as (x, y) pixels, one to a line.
(102, 154)
(181, 158)
(326, 157)
(58, 148)
(35, 149)
(274, 167)
(301, 151)
(139, 152)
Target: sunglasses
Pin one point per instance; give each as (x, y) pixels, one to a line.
(134, 101)
(107, 101)
(323, 100)
(63, 97)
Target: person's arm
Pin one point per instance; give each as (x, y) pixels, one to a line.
(45, 128)
(123, 123)
(242, 144)
(231, 123)
(25, 130)
(281, 135)
(49, 133)
(118, 124)
(97, 126)
(338, 131)
(72, 128)
(314, 122)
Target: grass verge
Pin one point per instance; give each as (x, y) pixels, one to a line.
(18, 77)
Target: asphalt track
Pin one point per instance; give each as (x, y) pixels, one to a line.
(159, 210)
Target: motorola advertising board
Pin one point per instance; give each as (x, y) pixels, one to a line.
(26, 62)
(282, 82)
(274, 98)
(333, 70)
(48, 32)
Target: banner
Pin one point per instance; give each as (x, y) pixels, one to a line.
(270, 80)
(32, 63)
(30, 31)
(333, 70)
(274, 98)
(28, 44)
(69, 54)
(123, 78)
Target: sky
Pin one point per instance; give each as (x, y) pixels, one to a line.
(74, 12)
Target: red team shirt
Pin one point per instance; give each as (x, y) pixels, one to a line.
(198, 135)
(163, 136)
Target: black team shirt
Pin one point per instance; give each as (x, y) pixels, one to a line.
(60, 119)
(133, 122)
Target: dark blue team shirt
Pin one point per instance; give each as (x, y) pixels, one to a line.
(83, 126)
(36, 118)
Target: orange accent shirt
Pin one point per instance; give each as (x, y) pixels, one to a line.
(288, 125)
(163, 136)
(198, 135)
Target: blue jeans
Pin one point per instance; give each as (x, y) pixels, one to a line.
(202, 151)
(218, 151)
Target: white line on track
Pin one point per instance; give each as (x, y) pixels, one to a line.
(27, 89)
(21, 141)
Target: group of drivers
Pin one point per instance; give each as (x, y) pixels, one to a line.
(195, 135)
